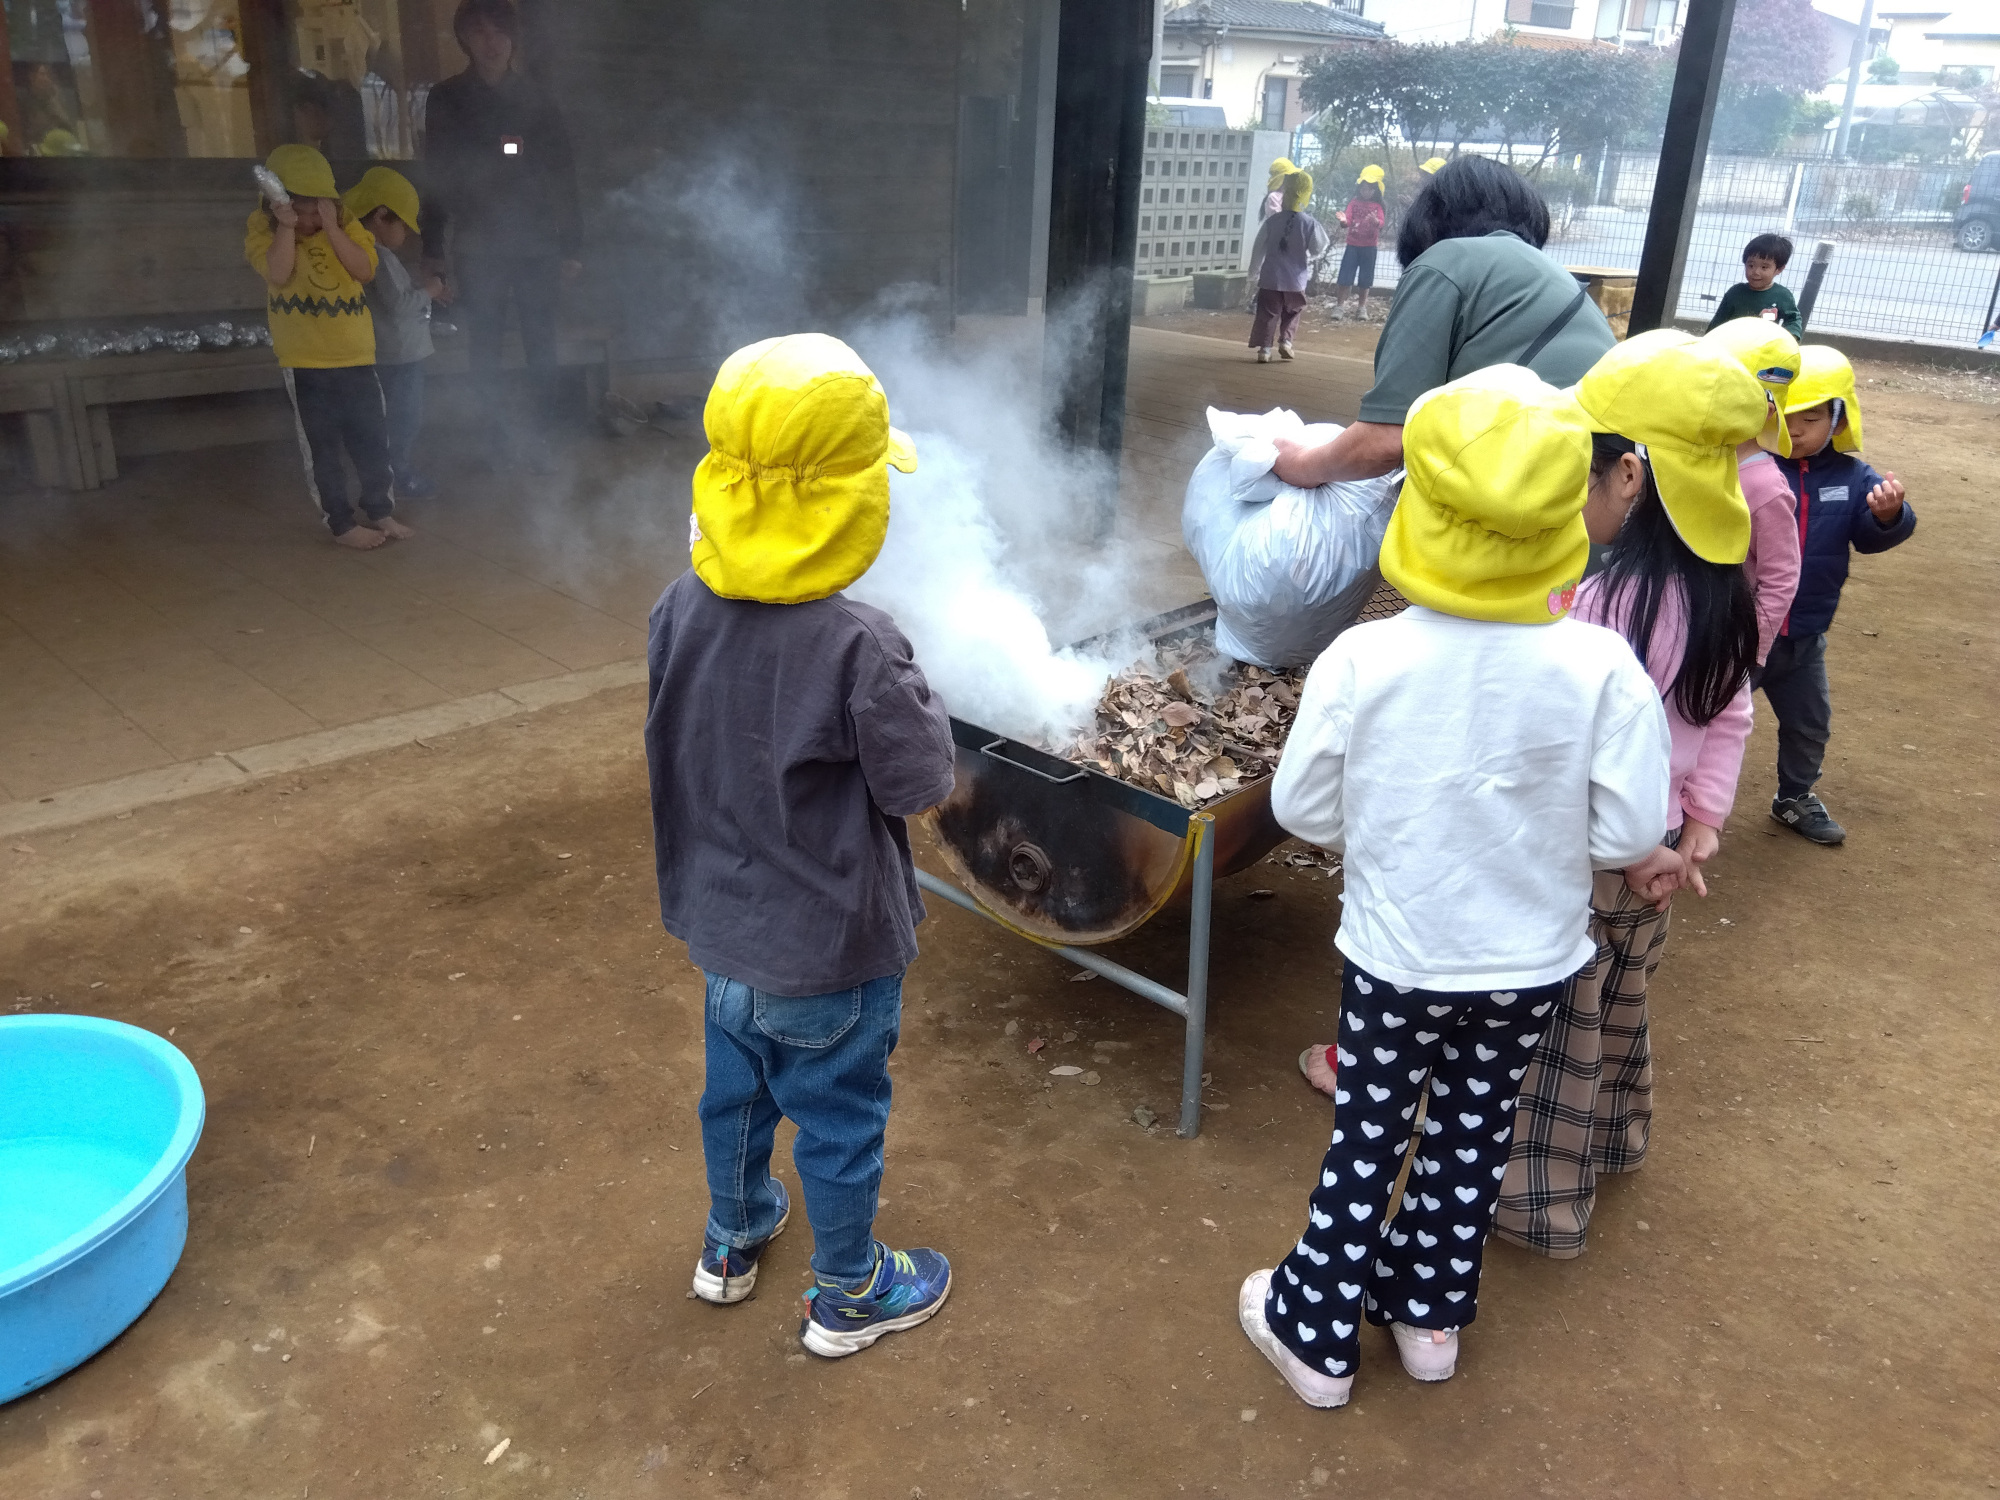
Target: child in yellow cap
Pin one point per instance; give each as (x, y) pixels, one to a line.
(789, 734)
(1476, 758)
(385, 203)
(1841, 506)
(1364, 217)
(1281, 260)
(315, 261)
(1770, 354)
(1666, 412)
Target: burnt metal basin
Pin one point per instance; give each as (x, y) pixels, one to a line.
(1071, 858)
(1062, 853)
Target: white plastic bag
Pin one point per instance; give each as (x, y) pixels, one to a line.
(1289, 568)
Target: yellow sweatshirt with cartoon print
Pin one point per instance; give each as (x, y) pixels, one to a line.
(319, 319)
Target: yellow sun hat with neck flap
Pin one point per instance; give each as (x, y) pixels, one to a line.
(1825, 375)
(1298, 191)
(792, 502)
(383, 187)
(1770, 353)
(1489, 525)
(1370, 173)
(303, 171)
(1281, 168)
(1688, 402)
(1431, 166)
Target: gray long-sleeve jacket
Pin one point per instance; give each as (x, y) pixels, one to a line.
(402, 312)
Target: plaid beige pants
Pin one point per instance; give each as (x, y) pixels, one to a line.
(1587, 1098)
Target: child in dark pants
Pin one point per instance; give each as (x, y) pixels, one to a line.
(316, 261)
(1842, 506)
(386, 204)
(789, 735)
(1281, 260)
(1476, 757)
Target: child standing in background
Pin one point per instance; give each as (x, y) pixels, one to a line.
(1758, 294)
(1841, 506)
(1280, 263)
(386, 204)
(1364, 217)
(789, 733)
(315, 263)
(1771, 355)
(1667, 412)
(1540, 751)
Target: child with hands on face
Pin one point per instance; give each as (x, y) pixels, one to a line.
(316, 262)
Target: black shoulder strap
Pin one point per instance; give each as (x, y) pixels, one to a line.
(1556, 325)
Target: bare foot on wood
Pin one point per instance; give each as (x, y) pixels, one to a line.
(361, 538)
(392, 528)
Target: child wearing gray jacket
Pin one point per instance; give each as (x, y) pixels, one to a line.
(385, 201)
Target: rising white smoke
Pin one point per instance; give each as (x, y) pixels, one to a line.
(993, 561)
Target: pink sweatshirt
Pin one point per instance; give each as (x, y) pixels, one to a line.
(1773, 563)
(1703, 760)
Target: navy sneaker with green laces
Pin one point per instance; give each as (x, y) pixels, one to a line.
(907, 1287)
(728, 1273)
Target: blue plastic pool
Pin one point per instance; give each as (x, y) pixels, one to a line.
(97, 1122)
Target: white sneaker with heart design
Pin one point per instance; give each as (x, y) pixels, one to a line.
(1423, 1357)
(1313, 1387)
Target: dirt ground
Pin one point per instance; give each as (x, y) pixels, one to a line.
(450, 1187)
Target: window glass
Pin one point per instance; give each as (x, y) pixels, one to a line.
(219, 78)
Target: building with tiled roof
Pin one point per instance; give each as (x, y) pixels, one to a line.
(1248, 55)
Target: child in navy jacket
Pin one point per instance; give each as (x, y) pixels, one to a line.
(1842, 506)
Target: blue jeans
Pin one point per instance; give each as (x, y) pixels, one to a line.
(403, 405)
(823, 1061)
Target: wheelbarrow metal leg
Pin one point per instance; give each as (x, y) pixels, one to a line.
(1203, 903)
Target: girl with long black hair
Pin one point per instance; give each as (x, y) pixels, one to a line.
(1668, 412)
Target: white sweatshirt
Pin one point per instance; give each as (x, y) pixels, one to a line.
(1475, 775)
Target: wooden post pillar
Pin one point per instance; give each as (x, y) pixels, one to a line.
(1102, 52)
(1683, 150)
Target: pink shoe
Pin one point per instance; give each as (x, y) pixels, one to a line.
(1313, 1387)
(1318, 1064)
(1423, 1356)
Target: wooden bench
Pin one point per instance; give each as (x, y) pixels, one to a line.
(65, 405)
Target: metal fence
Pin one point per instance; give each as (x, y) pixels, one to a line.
(1896, 271)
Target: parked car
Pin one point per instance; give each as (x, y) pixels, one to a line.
(1977, 224)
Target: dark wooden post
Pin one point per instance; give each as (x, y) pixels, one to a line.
(1683, 150)
(1102, 53)
(10, 107)
(267, 48)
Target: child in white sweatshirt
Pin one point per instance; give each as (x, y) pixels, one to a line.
(1477, 758)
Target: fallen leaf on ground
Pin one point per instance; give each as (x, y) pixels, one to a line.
(1067, 1070)
(1037, 1044)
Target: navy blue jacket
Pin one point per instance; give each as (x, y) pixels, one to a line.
(1830, 503)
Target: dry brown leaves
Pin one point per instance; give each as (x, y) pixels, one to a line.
(1157, 729)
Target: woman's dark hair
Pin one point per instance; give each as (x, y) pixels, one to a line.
(1647, 560)
(1471, 196)
(500, 13)
(1368, 191)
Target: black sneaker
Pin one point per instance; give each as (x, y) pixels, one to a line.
(1807, 817)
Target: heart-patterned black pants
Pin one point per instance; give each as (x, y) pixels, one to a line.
(1421, 1266)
